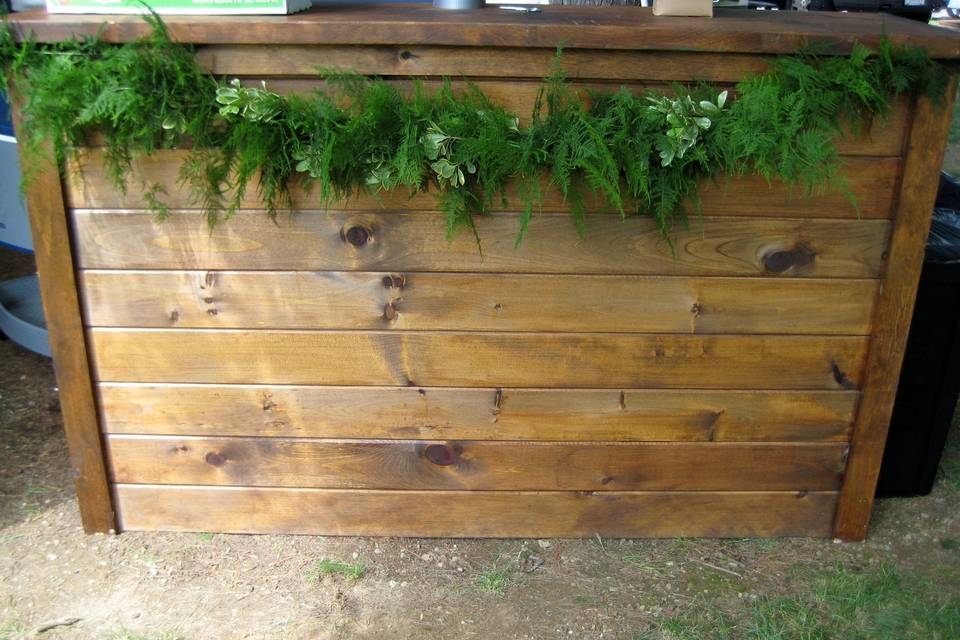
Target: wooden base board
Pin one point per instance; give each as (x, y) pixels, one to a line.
(474, 514)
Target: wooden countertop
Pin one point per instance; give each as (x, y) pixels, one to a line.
(730, 30)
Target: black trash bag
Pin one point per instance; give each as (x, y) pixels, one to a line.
(948, 193)
(943, 245)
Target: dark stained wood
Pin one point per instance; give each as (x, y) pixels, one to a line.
(400, 242)
(458, 359)
(475, 466)
(532, 380)
(729, 31)
(485, 514)
(496, 302)
(58, 289)
(893, 313)
(872, 181)
(463, 62)
(477, 414)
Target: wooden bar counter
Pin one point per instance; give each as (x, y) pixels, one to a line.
(350, 371)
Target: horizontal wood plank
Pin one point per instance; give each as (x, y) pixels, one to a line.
(418, 242)
(495, 302)
(494, 514)
(871, 181)
(477, 414)
(730, 30)
(477, 359)
(424, 60)
(475, 466)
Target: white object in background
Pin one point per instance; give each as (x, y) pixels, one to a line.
(181, 7)
(699, 8)
(14, 222)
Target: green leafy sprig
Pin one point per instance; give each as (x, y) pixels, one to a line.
(635, 154)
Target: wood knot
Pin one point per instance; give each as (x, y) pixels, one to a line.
(840, 377)
(696, 309)
(407, 55)
(801, 255)
(268, 404)
(174, 316)
(356, 235)
(606, 480)
(394, 282)
(390, 312)
(441, 454)
(215, 459)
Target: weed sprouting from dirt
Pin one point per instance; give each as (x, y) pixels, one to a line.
(495, 580)
(124, 634)
(13, 629)
(327, 567)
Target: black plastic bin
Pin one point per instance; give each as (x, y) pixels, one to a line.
(930, 379)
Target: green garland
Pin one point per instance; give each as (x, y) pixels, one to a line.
(642, 154)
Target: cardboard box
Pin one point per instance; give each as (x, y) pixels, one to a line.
(181, 7)
(701, 8)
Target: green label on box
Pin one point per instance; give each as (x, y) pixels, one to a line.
(172, 6)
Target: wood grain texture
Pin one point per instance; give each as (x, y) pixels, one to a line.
(485, 514)
(400, 242)
(477, 414)
(58, 290)
(427, 61)
(729, 31)
(475, 466)
(477, 359)
(872, 182)
(475, 302)
(893, 312)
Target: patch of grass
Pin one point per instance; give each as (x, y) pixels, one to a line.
(699, 621)
(124, 634)
(327, 567)
(950, 544)
(494, 580)
(13, 629)
(950, 460)
(759, 544)
(643, 562)
(880, 604)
